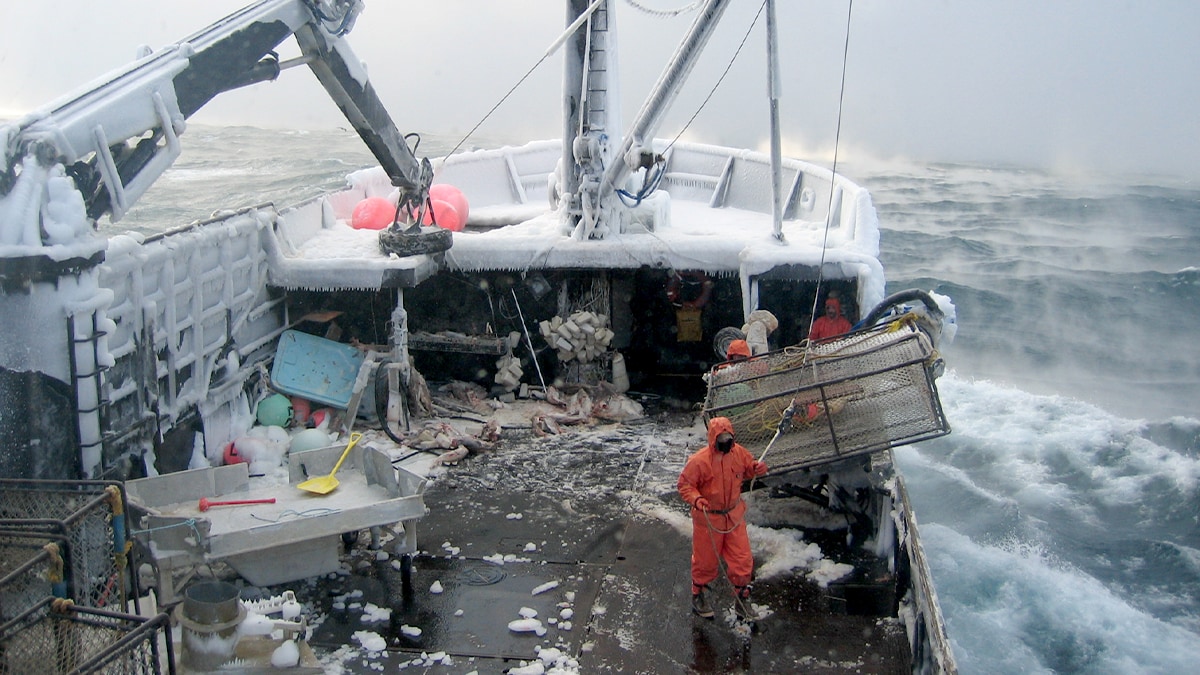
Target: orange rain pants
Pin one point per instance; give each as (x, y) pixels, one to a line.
(721, 530)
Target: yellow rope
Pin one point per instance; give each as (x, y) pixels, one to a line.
(62, 605)
(54, 571)
(114, 500)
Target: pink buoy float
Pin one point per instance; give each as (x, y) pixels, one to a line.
(449, 193)
(373, 213)
(445, 215)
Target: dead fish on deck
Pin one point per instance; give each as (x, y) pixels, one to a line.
(453, 457)
(544, 425)
(617, 408)
(433, 436)
(490, 431)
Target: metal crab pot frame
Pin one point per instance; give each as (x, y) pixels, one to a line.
(858, 394)
(57, 636)
(89, 519)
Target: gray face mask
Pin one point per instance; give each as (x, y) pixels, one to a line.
(725, 446)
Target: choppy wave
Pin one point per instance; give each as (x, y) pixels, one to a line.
(1088, 290)
(1062, 538)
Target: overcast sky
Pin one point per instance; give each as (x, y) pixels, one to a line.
(1102, 84)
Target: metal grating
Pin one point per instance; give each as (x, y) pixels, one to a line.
(55, 636)
(861, 393)
(89, 517)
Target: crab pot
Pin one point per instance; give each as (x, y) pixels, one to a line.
(89, 519)
(54, 636)
(26, 566)
(861, 393)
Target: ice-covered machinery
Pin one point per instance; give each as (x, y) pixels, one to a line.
(863, 392)
(116, 138)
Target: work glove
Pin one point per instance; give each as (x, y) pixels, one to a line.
(701, 504)
(760, 468)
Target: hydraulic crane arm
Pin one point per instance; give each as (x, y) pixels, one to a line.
(119, 134)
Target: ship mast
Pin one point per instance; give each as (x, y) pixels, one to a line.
(774, 90)
(591, 103)
(593, 166)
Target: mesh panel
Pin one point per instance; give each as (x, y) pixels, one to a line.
(25, 570)
(82, 514)
(46, 639)
(858, 394)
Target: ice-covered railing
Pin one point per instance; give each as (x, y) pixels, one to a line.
(191, 313)
(714, 215)
(715, 176)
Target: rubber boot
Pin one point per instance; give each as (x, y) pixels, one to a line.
(700, 606)
(741, 603)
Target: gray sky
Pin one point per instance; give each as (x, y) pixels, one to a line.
(1102, 84)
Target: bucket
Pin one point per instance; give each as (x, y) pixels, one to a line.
(620, 378)
(209, 617)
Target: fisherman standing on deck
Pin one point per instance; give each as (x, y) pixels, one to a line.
(831, 323)
(711, 482)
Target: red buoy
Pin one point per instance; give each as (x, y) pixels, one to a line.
(449, 193)
(373, 213)
(446, 216)
(301, 410)
(231, 455)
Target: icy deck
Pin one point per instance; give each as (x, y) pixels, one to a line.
(592, 515)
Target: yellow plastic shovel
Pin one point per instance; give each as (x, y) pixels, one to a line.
(323, 485)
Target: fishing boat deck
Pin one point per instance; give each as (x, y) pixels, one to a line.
(594, 520)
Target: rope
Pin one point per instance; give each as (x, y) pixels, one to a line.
(190, 522)
(292, 513)
(712, 528)
(587, 13)
(663, 13)
(719, 80)
(837, 136)
(786, 419)
(737, 598)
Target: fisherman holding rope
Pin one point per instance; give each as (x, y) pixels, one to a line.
(711, 482)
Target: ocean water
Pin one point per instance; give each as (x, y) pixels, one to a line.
(1062, 516)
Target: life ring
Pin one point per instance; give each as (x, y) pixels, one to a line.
(677, 282)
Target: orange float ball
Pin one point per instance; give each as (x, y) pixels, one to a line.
(446, 216)
(449, 193)
(373, 213)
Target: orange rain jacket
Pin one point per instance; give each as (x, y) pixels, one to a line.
(720, 531)
(825, 327)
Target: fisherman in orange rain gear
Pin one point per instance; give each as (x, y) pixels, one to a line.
(831, 323)
(738, 350)
(711, 482)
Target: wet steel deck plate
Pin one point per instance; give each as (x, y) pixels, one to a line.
(623, 574)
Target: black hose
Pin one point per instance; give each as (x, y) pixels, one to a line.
(899, 298)
(381, 401)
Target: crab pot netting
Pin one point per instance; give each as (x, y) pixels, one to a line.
(25, 569)
(81, 514)
(858, 394)
(52, 638)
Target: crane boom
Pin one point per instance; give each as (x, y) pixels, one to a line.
(120, 133)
